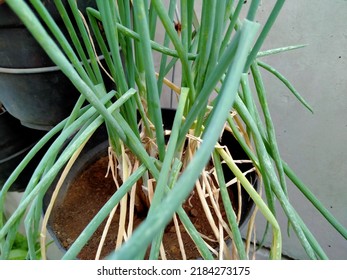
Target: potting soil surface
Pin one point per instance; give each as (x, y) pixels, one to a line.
(91, 190)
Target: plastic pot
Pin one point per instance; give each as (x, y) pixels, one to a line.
(15, 142)
(39, 96)
(8, 18)
(39, 101)
(96, 149)
(32, 89)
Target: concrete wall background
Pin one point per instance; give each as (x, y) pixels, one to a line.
(314, 145)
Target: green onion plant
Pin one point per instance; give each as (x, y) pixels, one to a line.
(219, 52)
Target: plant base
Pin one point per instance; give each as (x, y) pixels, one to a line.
(87, 195)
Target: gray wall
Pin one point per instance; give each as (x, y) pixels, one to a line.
(314, 145)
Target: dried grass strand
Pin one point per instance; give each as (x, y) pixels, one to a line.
(132, 205)
(43, 233)
(93, 46)
(179, 237)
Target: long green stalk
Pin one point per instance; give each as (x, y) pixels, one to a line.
(48, 177)
(93, 20)
(208, 54)
(286, 83)
(109, 20)
(164, 57)
(217, 51)
(152, 21)
(62, 40)
(260, 88)
(83, 238)
(183, 187)
(153, 100)
(217, 37)
(87, 41)
(165, 169)
(293, 177)
(253, 9)
(279, 50)
(209, 86)
(75, 38)
(128, 49)
(109, 25)
(231, 216)
(233, 24)
(248, 99)
(314, 200)
(276, 248)
(263, 34)
(44, 183)
(275, 186)
(206, 33)
(169, 28)
(194, 234)
(56, 55)
(134, 35)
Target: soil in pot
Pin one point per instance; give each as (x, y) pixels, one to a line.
(88, 193)
(86, 190)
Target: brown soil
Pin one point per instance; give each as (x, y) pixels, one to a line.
(89, 193)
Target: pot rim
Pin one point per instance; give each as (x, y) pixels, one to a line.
(4, 160)
(36, 70)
